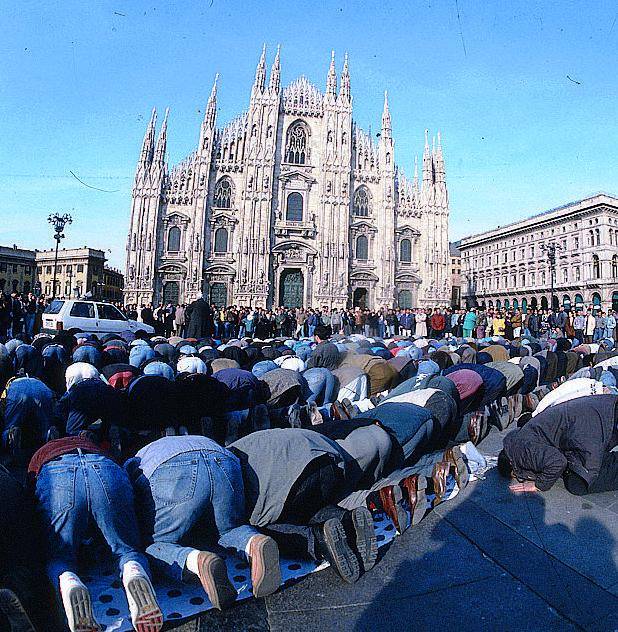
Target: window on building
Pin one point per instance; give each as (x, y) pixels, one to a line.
(221, 237)
(405, 251)
(576, 243)
(80, 267)
(611, 236)
(223, 194)
(3, 267)
(532, 278)
(565, 275)
(27, 269)
(14, 268)
(615, 267)
(39, 270)
(69, 269)
(596, 267)
(597, 233)
(577, 273)
(543, 278)
(296, 145)
(362, 248)
(361, 202)
(294, 208)
(173, 239)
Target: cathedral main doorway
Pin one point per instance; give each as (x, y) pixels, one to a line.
(359, 298)
(291, 285)
(171, 292)
(218, 294)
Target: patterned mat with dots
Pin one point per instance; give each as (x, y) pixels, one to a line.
(179, 601)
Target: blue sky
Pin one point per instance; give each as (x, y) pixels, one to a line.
(525, 94)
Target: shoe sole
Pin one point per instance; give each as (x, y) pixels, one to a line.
(216, 583)
(402, 514)
(149, 616)
(265, 569)
(341, 555)
(80, 616)
(366, 542)
(420, 509)
(463, 475)
(14, 611)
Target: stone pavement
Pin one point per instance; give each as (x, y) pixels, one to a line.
(485, 560)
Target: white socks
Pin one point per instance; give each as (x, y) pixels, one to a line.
(191, 563)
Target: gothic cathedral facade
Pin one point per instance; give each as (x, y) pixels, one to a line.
(289, 204)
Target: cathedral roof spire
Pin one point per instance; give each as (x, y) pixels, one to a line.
(159, 155)
(211, 108)
(260, 72)
(427, 166)
(149, 139)
(439, 161)
(331, 80)
(275, 73)
(386, 117)
(344, 91)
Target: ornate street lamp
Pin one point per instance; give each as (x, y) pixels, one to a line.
(58, 222)
(550, 248)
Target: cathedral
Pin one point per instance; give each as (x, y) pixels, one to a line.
(291, 204)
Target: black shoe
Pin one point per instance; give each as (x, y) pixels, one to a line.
(14, 611)
(360, 528)
(349, 407)
(14, 440)
(259, 418)
(336, 550)
(294, 416)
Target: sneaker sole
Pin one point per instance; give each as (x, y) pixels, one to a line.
(216, 583)
(341, 555)
(14, 611)
(366, 542)
(149, 616)
(80, 616)
(265, 569)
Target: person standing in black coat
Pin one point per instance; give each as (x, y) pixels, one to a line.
(572, 440)
(199, 319)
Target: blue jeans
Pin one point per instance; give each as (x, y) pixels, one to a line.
(322, 386)
(311, 329)
(29, 406)
(199, 487)
(29, 323)
(75, 487)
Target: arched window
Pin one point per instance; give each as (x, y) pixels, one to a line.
(173, 239)
(361, 202)
(221, 240)
(362, 248)
(294, 208)
(223, 194)
(596, 267)
(405, 251)
(296, 145)
(615, 267)
(598, 235)
(565, 275)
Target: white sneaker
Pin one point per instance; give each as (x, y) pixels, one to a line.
(146, 614)
(77, 604)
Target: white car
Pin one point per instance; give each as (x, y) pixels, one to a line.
(90, 317)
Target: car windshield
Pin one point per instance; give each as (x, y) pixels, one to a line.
(54, 307)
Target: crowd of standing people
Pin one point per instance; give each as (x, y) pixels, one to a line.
(588, 325)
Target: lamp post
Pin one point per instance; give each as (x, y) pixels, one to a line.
(551, 248)
(58, 222)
